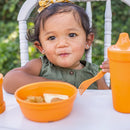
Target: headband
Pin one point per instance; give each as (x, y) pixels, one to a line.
(45, 3)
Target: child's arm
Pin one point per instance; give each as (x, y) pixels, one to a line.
(101, 82)
(23, 75)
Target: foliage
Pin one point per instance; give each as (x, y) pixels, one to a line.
(9, 9)
(9, 41)
(120, 23)
(9, 47)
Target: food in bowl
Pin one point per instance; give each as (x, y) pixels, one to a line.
(46, 112)
(35, 99)
(46, 98)
(54, 97)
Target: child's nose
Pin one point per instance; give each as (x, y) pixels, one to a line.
(62, 43)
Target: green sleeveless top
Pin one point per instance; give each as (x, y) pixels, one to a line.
(72, 76)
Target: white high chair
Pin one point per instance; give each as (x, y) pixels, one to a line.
(28, 7)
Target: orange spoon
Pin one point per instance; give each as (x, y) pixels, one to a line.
(85, 84)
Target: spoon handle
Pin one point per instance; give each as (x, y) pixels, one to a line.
(84, 85)
(98, 76)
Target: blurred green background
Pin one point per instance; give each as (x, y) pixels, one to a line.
(9, 41)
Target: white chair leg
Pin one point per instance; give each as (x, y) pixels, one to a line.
(89, 12)
(23, 43)
(107, 36)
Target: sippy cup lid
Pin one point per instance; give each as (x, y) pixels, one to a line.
(123, 42)
(121, 50)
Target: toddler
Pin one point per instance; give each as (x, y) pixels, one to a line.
(61, 33)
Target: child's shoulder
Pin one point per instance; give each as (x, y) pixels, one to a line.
(93, 67)
(34, 62)
(89, 65)
(33, 65)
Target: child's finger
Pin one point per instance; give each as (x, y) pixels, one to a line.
(105, 70)
(105, 66)
(105, 62)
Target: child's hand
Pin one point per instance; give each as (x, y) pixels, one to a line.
(105, 66)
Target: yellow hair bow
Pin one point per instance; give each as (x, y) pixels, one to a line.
(45, 3)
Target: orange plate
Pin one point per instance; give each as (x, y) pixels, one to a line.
(45, 112)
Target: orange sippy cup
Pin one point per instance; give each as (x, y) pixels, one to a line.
(119, 59)
(2, 103)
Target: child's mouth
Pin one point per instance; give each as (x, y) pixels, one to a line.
(64, 54)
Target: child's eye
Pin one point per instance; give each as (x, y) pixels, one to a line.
(51, 38)
(72, 34)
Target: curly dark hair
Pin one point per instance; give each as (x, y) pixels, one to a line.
(33, 34)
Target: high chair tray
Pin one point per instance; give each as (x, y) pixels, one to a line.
(91, 111)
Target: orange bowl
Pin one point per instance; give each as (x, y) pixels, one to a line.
(46, 112)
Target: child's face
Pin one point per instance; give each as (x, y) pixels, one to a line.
(64, 40)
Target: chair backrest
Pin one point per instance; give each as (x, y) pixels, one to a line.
(28, 7)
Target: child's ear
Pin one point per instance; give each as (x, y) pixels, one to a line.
(38, 46)
(89, 40)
